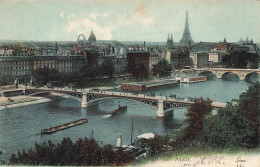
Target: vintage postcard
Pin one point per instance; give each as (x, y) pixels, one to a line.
(128, 82)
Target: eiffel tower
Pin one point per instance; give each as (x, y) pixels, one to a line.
(186, 37)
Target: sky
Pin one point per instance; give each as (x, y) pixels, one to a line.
(129, 20)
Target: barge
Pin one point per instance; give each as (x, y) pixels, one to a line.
(120, 109)
(192, 79)
(144, 86)
(64, 126)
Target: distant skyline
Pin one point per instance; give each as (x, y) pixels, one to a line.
(129, 20)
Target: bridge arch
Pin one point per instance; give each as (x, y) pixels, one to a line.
(209, 74)
(150, 103)
(247, 77)
(235, 76)
(75, 96)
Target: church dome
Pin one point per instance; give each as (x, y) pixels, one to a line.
(92, 37)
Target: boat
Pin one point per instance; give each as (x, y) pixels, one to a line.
(120, 109)
(64, 126)
(192, 79)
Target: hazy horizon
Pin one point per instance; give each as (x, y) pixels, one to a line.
(151, 21)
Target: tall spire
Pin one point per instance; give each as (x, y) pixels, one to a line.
(186, 37)
(171, 37)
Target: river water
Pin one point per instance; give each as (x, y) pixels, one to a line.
(20, 127)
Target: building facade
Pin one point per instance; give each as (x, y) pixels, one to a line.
(25, 65)
(140, 61)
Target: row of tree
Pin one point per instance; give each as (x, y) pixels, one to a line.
(6, 80)
(241, 59)
(162, 69)
(84, 152)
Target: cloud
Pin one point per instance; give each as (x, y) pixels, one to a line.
(61, 14)
(84, 26)
(141, 10)
(138, 16)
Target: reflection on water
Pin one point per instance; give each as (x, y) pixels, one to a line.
(20, 127)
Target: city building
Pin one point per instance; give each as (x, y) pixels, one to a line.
(139, 59)
(252, 47)
(119, 61)
(154, 58)
(234, 48)
(202, 47)
(200, 60)
(215, 57)
(25, 65)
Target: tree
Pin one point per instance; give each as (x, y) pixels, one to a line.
(85, 152)
(6, 80)
(44, 75)
(249, 107)
(195, 117)
(162, 68)
(157, 145)
(107, 68)
(236, 125)
(241, 59)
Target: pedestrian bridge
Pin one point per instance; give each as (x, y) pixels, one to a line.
(243, 74)
(88, 97)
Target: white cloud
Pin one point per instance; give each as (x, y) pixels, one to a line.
(84, 26)
(61, 14)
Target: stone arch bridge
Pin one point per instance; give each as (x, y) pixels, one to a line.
(160, 103)
(220, 72)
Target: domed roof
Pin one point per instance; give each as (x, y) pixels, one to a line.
(92, 37)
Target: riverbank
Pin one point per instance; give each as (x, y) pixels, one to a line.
(19, 101)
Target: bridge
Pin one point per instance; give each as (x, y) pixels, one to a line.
(243, 74)
(88, 97)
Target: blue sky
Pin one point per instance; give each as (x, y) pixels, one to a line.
(129, 20)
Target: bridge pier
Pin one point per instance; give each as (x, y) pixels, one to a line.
(84, 100)
(160, 111)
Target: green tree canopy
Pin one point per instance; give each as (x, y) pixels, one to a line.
(236, 125)
(195, 117)
(6, 80)
(107, 68)
(162, 68)
(44, 75)
(84, 152)
(241, 59)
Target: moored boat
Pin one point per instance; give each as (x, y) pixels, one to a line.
(192, 79)
(64, 126)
